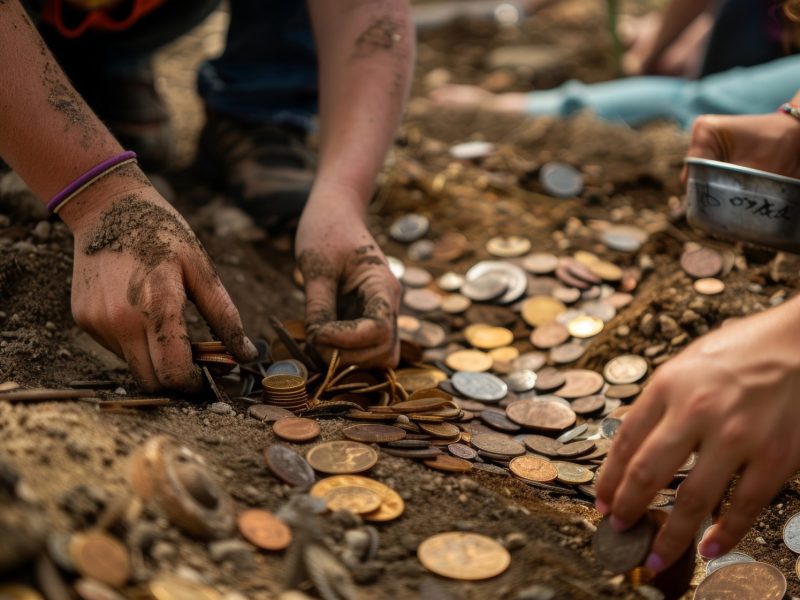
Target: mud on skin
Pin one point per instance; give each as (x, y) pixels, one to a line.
(381, 35)
(68, 103)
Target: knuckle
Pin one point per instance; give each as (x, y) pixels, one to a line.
(701, 406)
(734, 433)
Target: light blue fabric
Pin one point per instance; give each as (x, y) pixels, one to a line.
(636, 100)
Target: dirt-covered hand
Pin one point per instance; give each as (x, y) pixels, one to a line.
(732, 397)
(136, 263)
(339, 257)
(767, 142)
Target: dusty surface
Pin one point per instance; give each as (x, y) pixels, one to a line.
(73, 458)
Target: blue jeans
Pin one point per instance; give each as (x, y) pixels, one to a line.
(267, 73)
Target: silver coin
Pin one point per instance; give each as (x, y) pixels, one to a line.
(609, 426)
(288, 367)
(517, 280)
(791, 533)
(731, 558)
(471, 150)
(529, 360)
(409, 228)
(602, 310)
(628, 368)
(420, 250)
(571, 434)
(567, 353)
(521, 381)
(488, 286)
(624, 238)
(612, 404)
(561, 180)
(480, 386)
(450, 282)
(396, 266)
(568, 315)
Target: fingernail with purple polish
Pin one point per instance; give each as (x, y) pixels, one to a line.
(601, 507)
(654, 563)
(617, 523)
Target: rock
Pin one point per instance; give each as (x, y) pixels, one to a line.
(357, 542)
(23, 246)
(346, 519)
(143, 535)
(163, 551)
(537, 592)
(515, 540)
(649, 592)
(231, 222)
(648, 325)
(221, 408)
(42, 231)
(669, 327)
(83, 503)
(236, 551)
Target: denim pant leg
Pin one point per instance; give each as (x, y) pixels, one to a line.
(268, 71)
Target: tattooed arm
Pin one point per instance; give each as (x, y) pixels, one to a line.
(365, 51)
(135, 257)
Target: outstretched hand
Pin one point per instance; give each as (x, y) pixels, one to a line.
(136, 264)
(337, 256)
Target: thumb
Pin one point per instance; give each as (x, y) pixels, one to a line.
(710, 139)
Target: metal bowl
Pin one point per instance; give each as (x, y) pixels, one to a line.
(744, 204)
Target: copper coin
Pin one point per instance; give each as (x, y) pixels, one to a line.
(288, 466)
(580, 383)
(264, 530)
(549, 335)
(392, 504)
(619, 552)
(440, 430)
(619, 300)
(355, 499)
(575, 449)
(296, 429)
(708, 286)
(623, 391)
(548, 379)
(540, 263)
(99, 556)
(473, 361)
(455, 304)
(606, 270)
(529, 360)
(743, 581)
(545, 415)
(450, 246)
(589, 404)
(533, 468)
(414, 453)
(451, 464)
(498, 420)
(567, 353)
(542, 445)
(422, 300)
(489, 314)
(462, 451)
(419, 405)
(341, 457)
(416, 278)
(497, 444)
(373, 433)
(174, 588)
(463, 556)
(703, 262)
(628, 368)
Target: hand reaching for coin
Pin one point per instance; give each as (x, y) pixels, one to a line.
(731, 396)
(338, 256)
(136, 260)
(767, 142)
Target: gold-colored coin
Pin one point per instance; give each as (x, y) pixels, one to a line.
(533, 468)
(587, 259)
(464, 556)
(488, 338)
(504, 354)
(99, 556)
(13, 591)
(508, 247)
(573, 474)
(469, 360)
(419, 379)
(358, 500)
(172, 588)
(341, 457)
(538, 310)
(585, 326)
(392, 505)
(606, 270)
(283, 383)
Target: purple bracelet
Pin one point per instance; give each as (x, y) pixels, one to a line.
(88, 178)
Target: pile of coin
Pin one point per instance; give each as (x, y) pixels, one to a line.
(285, 391)
(214, 356)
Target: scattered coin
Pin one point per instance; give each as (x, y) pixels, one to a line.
(545, 415)
(174, 588)
(533, 468)
(489, 338)
(589, 404)
(392, 505)
(264, 530)
(625, 369)
(409, 228)
(288, 466)
(623, 392)
(515, 279)
(450, 464)
(462, 451)
(606, 271)
(549, 335)
(743, 581)
(573, 474)
(529, 360)
(730, 558)
(488, 286)
(498, 420)
(542, 445)
(791, 533)
(538, 310)
(619, 552)
(422, 300)
(624, 238)
(580, 383)
(463, 556)
(523, 380)
(702, 262)
(416, 278)
(561, 180)
(99, 556)
(576, 449)
(420, 250)
(499, 444)
(358, 500)
(450, 246)
(708, 286)
(504, 355)
(455, 304)
(480, 386)
(373, 433)
(474, 361)
(585, 326)
(341, 457)
(296, 429)
(609, 426)
(548, 379)
(396, 266)
(540, 263)
(508, 247)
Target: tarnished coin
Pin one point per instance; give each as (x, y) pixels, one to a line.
(341, 457)
(455, 304)
(791, 533)
(549, 335)
(538, 310)
(463, 556)
(498, 420)
(600, 309)
(296, 429)
(545, 415)
(488, 338)
(450, 464)
(529, 360)
(624, 238)
(609, 426)
(731, 558)
(422, 300)
(480, 386)
(573, 474)
(289, 466)
(409, 228)
(429, 335)
(708, 286)
(495, 443)
(462, 451)
(628, 368)
(420, 250)
(358, 500)
(373, 433)
(473, 361)
(439, 430)
(533, 468)
(430, 401)
(392, 504)
(619, 552)
(589, 404)
(585, 326)
(450, 246)
(521, 381)
(567, 295)
(542, 445)
(561, 180)
(508, 247)
(264, 530)
(743, 581)
(15, 591)
(99, 556)
(548, 379)
(576, 449)
(702, 262)
(623, 391)
(580, 383)
(540, 263)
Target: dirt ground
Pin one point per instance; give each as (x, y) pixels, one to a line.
(73, 457)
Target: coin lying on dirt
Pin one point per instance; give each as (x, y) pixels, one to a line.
(288, 466)
(392, 505)
(730, 558)
(532, 468)
(296, 429)
(628, 368)
(791, 533)
(341, 457)
(464, 556)
(373, 433)
(264, 530)
(358, 500)
(743, 581)
(619, 552)
(99, 556)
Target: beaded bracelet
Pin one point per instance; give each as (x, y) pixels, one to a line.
(790, 109)
(89, 178)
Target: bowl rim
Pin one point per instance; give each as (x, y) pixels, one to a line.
(726, 166)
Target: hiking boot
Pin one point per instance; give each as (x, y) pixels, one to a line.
(268, 168)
